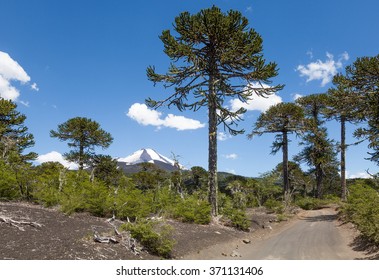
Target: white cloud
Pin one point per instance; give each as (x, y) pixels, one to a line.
(256, 102)
(10, 71)
(145, 116)
(310, 54)
(7, 91)
(25, 103)
(34, 87)
(322, 70)
(358, 175)
(345, 56)
(56, 157)
(181, 122)
(231, 156)
(297, 96)
(222, 136)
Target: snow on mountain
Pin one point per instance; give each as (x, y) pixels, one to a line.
(146, 155)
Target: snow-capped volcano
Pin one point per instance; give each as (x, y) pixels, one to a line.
(130, 163)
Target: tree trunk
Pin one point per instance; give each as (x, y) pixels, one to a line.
(319, 177)
(81, 157)
(343, 158)
(285, 163)
(212, 148)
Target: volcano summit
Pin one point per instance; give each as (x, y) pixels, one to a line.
(131, 164)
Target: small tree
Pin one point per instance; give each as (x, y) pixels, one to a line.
(282, 119)
(83, 135)
(216, 57)
(105, 168)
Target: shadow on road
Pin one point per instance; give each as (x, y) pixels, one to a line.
(362, 244)
(320, 218)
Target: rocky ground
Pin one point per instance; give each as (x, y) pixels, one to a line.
(50, 234)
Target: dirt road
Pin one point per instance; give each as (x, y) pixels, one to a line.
(315, 235)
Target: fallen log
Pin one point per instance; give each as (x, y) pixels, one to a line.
(19, 224)
(103, 239)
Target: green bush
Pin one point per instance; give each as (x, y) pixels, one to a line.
(46, 195)
(332, 198)
(232, 216)
(362, 208)
(8, 183)
(193, 210)
(79, 195)
(154, 236)
(310, 203)
(239, 220)
(165, 201)
(95, 198)
(132, 203)
(274, 205)
(49, 180)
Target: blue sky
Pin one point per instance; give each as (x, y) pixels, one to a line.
(62, 59)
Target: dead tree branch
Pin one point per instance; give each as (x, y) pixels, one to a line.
(19, 224)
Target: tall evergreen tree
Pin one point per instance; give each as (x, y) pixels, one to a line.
(216, 57)
(281, 119)
(319, 150)
(14, 135)
(83, 135)
(363, 77)
(342, 107)
(14, 140)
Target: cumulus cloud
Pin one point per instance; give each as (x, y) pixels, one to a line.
(146, 116)
(56, 157)
(322, 70)
(256, 102)
(11, 71)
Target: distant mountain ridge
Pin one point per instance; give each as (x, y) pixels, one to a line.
(132, 163)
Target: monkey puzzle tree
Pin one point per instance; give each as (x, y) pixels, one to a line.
(363, 77)
(216, 57)
(282, 119)
(341, 105)
(14, 135)
(319, 149)
(83, 135)
(14, 140)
